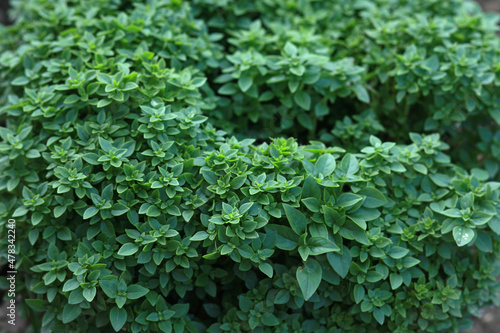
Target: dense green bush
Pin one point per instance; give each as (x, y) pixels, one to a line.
(139, 159)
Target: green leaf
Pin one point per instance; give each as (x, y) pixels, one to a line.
(136, 291)
(38, 305)
(379, 316)
(309, 277)
(366, 306)
(120, 301)
(374, 276)
(104, 78)
(494, 224)
(109, 287)
(349, 164)
(453, 212)
(70, 312)
(209, 176)
(118, 318)
(359, 293)
(297, 220)
(463, 235)
(91, 158)
(128, 249)
(269, 319)
(320, 245)
(290, 49)
(71, 99)
(495, 114)
(340, 262)
(199, 236)
(20, 211)
(90, 212)
(312, 204)
(103, 102)
(70, 285)
(287, 239)
(20, 81)
(361, 93)
(397, 252)
(245, 82)
(326, 164)
(228, 89)
(153, 211)
(303, 99)
(266, 269)
(440, 179)
(89, 293)
(311, 188)
(420, 168)
(119, 209)
(484, 242)
(396, 280)
(59, 210)
(321, 109)
(374, 198)
(347, 200)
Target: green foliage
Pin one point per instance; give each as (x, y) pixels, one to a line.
(136, 211)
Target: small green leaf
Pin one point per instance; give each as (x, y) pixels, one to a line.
(320, 245)
(70, 312)
(340, 262)
(326, 164)
(128, 249)
(269, 319)
(89, 293)
(20, 81)
(290, 49)
(303, 99)
(71, 99)
(309, 277)
(103, 102)
(420, 168)
(266, 269)
(89, 212)
(347, 200)
(361, 93)
(119, 209)
(70, 285)
(311, 188)
(136, 291)
(287, 239)
(109, 287)
(397, 252)
(396, 280)
(199, 236)
(297, 220)
(59, 210)
(245, 82)
(374, 198)
(118, 318)
(359, 293)
(153, 211)
(463, 235)
(321, 109)
(349, 164)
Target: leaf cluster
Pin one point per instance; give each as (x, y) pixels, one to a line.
(131, 157)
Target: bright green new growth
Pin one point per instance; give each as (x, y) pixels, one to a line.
(134, 210)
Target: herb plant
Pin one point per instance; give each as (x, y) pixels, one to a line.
(265, 166)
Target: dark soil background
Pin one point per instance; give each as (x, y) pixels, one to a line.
(488, 323)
